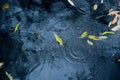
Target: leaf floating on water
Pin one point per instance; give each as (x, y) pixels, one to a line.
(97, 37)
(70, 1)
(17, 27)
(1, 64)
(116, 28)
(36, 33)
(107, 32)
(118, 60)
(109, 24)
(58, 39)
(115, 18)
(95, 7)
(93, 37)
(90, 42)
(103, 37)
(8, 75)
(113, 21)
(110, 10)
(5, 6)
(84, 34)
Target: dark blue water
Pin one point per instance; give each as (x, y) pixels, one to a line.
(28, 56)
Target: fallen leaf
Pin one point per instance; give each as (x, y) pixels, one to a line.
(113, 21)
(117, 27)
(58, 39)
(1, 64)
(84, 34)
(95, 7)
(103, 37)
(92, 37)
(107, 32)
(8, 75)
(17, 27)
(118, 60)
(36, 33)
(112, 12)
(90, 42)
(70, 1)
(5, 6)
(109, 24)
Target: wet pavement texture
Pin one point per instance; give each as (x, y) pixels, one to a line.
(33, 54)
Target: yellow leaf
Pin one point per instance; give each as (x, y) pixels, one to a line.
(8, 75)
(58, 39)
(95, 6)
(84, 34)
(17, 27)
(92, 37)
(90, 42)
(5, 6)
(1, 64)
(107, 32)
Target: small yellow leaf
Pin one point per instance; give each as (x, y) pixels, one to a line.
(107, 32)
(92, 37)
(58, 39)
(8, 75)
(95, 6)
(90, 42)
(84, 34)
(1, 64)
(17, 27)
(5, 6)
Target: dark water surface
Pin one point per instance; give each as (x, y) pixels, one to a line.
(30, 56)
